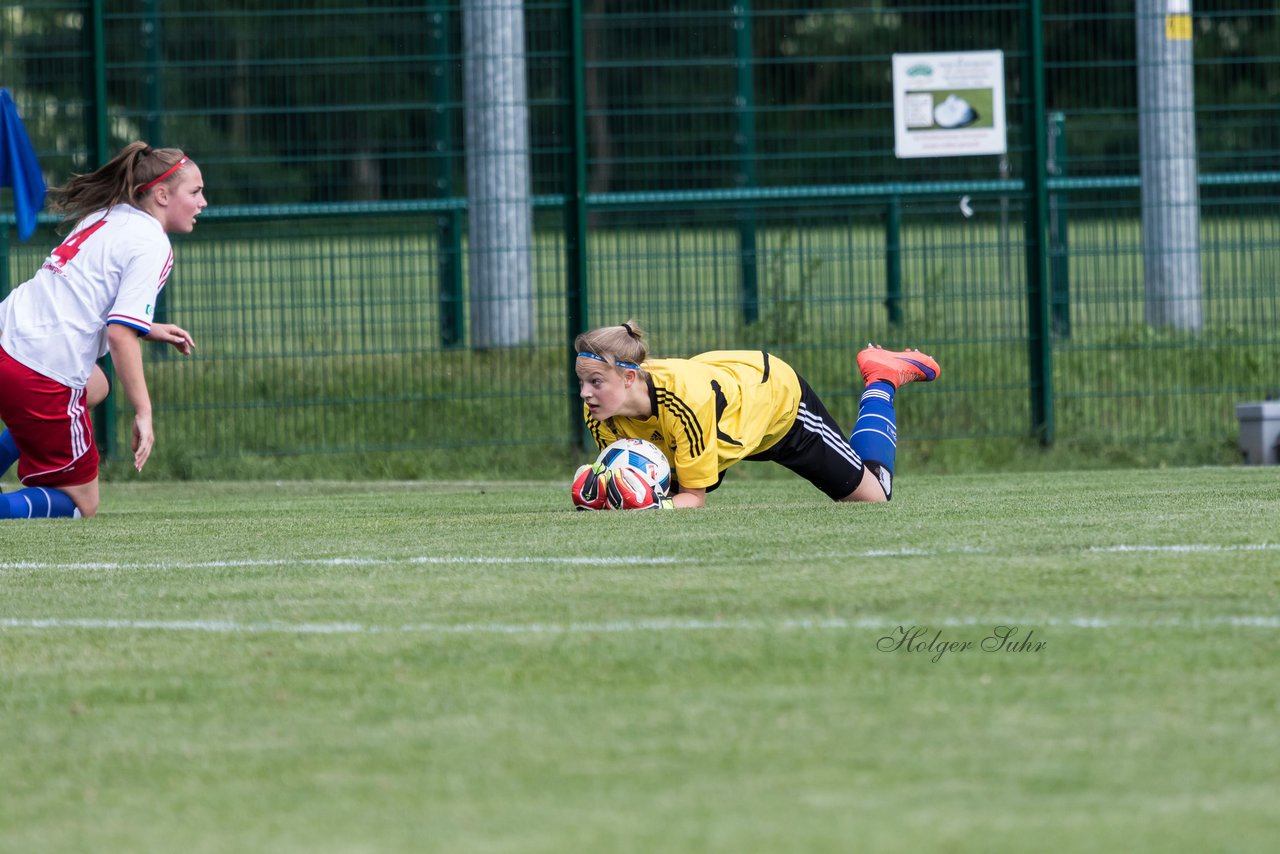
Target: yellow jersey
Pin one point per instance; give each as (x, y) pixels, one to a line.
(710, 411)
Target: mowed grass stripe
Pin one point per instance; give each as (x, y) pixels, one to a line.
(655, 624)
(596, 560)
(623, 560)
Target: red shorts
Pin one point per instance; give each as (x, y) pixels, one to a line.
(50, 425)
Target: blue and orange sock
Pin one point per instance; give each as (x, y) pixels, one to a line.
(875, 434)
(8, 451)
(37, 502)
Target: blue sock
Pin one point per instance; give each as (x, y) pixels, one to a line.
(37, 502)
(875, 434)
(8, 451)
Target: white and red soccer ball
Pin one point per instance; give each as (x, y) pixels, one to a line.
(630, 474)
(639, 455)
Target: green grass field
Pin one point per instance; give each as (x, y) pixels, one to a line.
(361, 667)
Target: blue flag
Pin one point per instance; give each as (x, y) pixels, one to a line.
(18, 166)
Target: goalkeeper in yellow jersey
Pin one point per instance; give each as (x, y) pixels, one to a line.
(716, 409)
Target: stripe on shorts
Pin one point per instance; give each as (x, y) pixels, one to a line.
(815, 424)
(79, 434)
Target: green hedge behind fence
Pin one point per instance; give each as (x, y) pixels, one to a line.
(723, 172)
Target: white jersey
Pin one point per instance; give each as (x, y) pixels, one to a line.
(110, 269)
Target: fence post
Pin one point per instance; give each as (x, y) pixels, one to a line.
(893, 259)
(152, 38)
(4, 260)
(104, 416)
(500, 251)
(153, 77)
(1170, 174)
(575, 210)
(448, 224)
(96, 83)
(1039, 343)
(746, 146)
(1058, 258)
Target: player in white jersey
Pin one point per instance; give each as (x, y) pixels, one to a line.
(95, 294)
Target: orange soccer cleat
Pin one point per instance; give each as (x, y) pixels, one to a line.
(896, 367)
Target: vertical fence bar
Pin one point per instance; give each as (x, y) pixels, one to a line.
(448, 225)
(4, 260)
(575, 207)
(893, 259)
(104, 418)
(1058, 259)
(152, 43)
(1039, 355)
(96, 110)
(746, 147)
(154, 77)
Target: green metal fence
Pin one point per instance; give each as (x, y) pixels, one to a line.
(725, 172)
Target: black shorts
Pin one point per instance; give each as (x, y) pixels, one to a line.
(817, 449)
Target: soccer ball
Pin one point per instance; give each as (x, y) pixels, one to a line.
(643, 456)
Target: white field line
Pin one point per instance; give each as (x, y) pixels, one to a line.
(445, 560)
(654, 624)
(1242, 547)
(611, 560)
(576, 560)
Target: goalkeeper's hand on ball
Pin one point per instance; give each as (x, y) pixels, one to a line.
(630, 489)
(588, 488)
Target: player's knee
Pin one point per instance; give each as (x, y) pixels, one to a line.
(87, 505)
(873, 487)
(865, 496)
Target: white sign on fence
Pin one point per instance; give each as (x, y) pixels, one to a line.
(948, 104)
